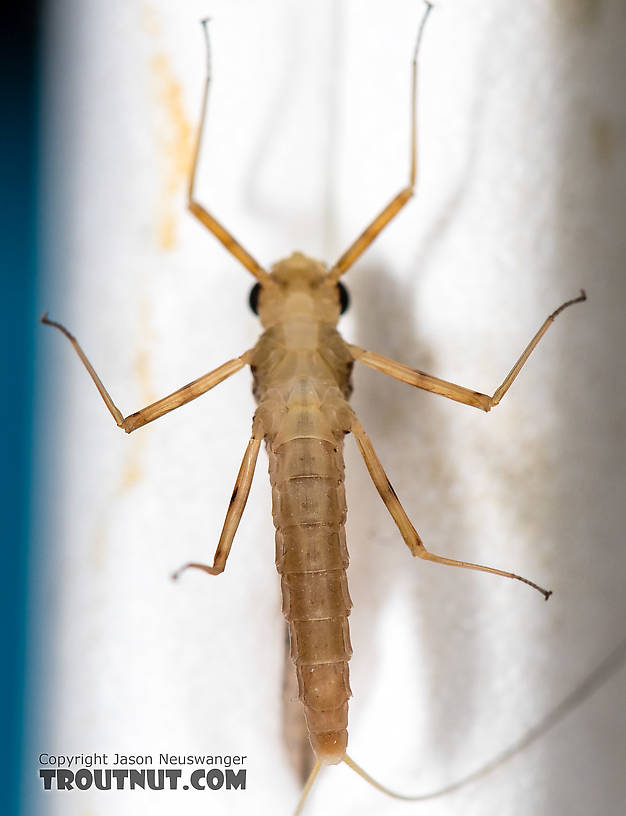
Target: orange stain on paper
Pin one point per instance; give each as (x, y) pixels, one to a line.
(175, 143)
(132, 471)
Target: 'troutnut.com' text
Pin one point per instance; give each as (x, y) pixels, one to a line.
(66, 772)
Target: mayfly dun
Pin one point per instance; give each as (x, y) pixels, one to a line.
(301, 368)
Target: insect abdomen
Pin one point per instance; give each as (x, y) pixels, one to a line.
(309, 510)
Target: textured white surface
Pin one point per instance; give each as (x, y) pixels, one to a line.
(522, 180)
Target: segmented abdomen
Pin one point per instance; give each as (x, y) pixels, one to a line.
(309, 510)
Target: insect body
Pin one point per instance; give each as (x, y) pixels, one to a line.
(301, 368)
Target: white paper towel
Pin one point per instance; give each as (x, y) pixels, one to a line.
(520, 204)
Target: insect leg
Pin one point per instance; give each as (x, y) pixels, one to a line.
(408, 532)
(398, 201)
(235, 508)
(211, 223)
(419, 379)
(163, 406)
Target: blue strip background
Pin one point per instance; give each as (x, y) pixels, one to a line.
(19, 49)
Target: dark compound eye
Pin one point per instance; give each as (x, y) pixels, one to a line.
(253, 300)
(344, 298)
